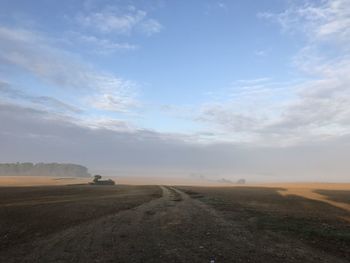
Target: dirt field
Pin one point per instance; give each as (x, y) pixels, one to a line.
(296, 217)
(84, 223)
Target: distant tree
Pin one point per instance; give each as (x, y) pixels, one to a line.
(226, 181)
(44, 169)
(241, 181)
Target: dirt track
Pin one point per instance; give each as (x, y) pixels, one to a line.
(173, 228)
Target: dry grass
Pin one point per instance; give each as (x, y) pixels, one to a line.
(39, 180)
(316, 191)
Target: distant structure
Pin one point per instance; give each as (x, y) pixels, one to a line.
(241, 181)
(97, 181)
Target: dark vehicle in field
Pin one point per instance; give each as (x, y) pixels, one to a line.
(97, 181)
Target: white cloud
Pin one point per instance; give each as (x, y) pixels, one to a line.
(330, 20)
(232, 124)
(253, 81)
(102, 45)
(117, 100)
(262, 52)
(107, 123)
(121, 21)
(314, 109)
(151, 26)
(319, 20)
(43, 102)
(212, 6)
(278, 114)
(32, 52)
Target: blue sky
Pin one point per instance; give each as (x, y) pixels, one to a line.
(243, 73)
(196, 49)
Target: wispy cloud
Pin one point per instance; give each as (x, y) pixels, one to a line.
(113, 19)
(117, 100)
(32, 52)
(262, 52)
(314, 109)
(106, 123)
(318, 110)
(150, 27)
(100, 45)
(212, 6)
(320, 20)
(232, 124)
(44, 102)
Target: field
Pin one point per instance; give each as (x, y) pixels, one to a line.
(40, 180)
(130, 223)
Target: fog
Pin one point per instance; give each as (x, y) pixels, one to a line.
(34, 136)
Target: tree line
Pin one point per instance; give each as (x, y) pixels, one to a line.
(43, 169)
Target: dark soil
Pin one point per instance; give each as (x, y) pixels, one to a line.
(166, 224)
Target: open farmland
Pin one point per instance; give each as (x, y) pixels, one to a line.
(289, 218)
(84, 223)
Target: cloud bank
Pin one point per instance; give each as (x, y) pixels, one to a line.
(31, 135)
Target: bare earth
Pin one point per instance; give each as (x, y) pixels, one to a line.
(85, 223)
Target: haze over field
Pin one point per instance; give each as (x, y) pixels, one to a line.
(225, 89)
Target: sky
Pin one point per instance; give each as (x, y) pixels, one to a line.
(253, 89)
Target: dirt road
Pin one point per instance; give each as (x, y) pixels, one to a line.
(173, 228)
